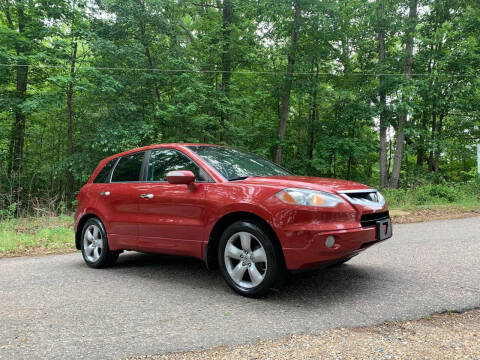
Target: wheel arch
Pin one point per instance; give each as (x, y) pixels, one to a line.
(211, 248)
(81, 223)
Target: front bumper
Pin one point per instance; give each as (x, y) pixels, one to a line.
(315, 253)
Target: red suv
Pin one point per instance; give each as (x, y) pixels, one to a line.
(232, 209)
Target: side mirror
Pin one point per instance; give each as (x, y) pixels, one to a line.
(181, 177)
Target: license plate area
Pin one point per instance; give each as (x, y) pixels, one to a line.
(384, 229)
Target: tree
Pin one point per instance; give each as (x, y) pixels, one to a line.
(382, 96)
(288, 81)
(407, 72)
(22, 49)
(25, 25)
(227, 23)
(305, 83)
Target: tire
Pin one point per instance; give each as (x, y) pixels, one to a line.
(248, 260)
(94, 244)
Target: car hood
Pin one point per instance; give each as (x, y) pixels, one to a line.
(307, 182)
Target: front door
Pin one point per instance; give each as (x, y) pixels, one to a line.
(170, 216)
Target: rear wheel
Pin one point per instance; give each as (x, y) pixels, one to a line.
(95, 250)
(248, 259)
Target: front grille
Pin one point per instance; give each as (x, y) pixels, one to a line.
(364, 197)
(368, 196)
(371, 219)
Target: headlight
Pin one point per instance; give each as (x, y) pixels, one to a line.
(307, 197)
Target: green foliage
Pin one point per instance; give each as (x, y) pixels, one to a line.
(9, 212)
(153, 71)
(434, 194)
(51, 234)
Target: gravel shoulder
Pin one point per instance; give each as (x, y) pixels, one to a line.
(430, 213)
(441, 336)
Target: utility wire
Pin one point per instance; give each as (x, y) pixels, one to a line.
(241, 72)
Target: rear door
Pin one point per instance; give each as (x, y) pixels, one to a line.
(97, 188)
(171, 217)
(119, 201)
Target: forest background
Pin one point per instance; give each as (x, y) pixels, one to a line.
(382, 92)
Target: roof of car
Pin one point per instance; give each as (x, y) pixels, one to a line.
(156, 146)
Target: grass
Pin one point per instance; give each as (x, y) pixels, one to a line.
(433, 202)
(36, 235)
(462, 196)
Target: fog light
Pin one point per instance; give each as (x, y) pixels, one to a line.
(330, 241)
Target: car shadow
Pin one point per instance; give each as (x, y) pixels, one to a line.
(307, 289)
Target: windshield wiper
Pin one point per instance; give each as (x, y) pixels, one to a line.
(238, 178)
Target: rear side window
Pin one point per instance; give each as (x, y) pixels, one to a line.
(128, 168)
(104, 174)
(164, 160)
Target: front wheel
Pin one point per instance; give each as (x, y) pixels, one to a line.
(95, 250)
(248, 259)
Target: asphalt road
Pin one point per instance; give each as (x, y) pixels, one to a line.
(56, 307)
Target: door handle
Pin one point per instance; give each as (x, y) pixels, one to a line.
(105, 193)
(146, 196)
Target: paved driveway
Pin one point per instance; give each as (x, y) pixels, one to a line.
(56, 307)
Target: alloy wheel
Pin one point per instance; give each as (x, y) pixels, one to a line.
(93, 243)
(245, 259)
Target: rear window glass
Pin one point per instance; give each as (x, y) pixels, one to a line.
(128, 168)
(104, 174)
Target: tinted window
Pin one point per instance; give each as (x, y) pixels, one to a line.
(235, 164)
(104, 174)
(128, 168)
(164, 160)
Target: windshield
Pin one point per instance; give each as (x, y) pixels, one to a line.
(237, 165)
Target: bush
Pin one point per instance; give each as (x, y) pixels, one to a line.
(437, 193)
(434, 194)
(9, 212)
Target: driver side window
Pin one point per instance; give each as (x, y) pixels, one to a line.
(164, 160)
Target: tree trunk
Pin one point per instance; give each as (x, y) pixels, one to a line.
(150, 64)
(432, 140)
(146, 47)
(313, 120)
(349, 166)
(302, 131)
(383, 99)
(18, 130)
(226, 65)
(351, 158)
(70, 91)
(421, 145)
(288, 84)
(436, 159)
(420, 157)
(402, 119)
(425, 118)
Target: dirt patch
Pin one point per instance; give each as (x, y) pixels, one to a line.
(432, 213)
(442, 336)
(39, 251)
(35, 224)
